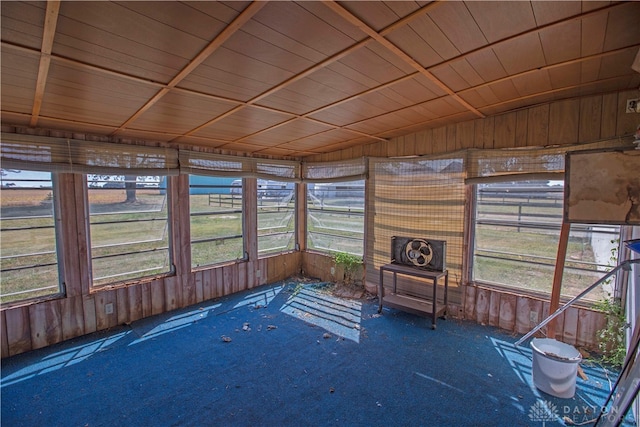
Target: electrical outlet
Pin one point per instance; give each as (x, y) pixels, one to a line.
(108, 308)
(533, 317)
(633, 105)
(258, 273)
(333, 271)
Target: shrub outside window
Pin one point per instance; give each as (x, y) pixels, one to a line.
(129, 228)
(335, 217)
(216, 219)
(28, 239)
(516, 234)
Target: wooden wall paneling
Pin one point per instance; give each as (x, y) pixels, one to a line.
(564, 120)
(300, 218)
(451, 138)
(439, 141)
(424, 142)
(250, 217)
(504, 133)
(18, 330)
(172, 293)
(147, 302)
(494, 308)
(570, 329)
(65, 192)
(122, 306)
(228, 279)
(158, 298)
(482, 305)
(46, 323)
(508, 311)
(187, 282)
(72, 312)
(264, 273)
(609, 115)
(409, 145)
(488, 132)
(180, 223)
(522, 127)
(538, 126)
(465, 134)
(199, 284)
(590, 118)
(82, 238)
(251, 274)
(395, 147)
(627, 122)
(478, 133)
(559, 322)
(4, 343)
(589, 323)
(104, 320)
(134, 294)
(242, 276)
(528, 314)
(208, 287)
(470, 302)
(219, 282)
(89, 311)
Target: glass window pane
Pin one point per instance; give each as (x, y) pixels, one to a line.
(216, 219)
(129, 227)
(335, 217)
(517, 231)
(29, 262)
(276, 216)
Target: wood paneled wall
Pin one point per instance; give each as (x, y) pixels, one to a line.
(572, 121)
(519, 314)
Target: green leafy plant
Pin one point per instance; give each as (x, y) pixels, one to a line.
(612, 338)
(349, 264)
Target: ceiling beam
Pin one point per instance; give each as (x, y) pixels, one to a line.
(353, 20)
(322, 64)
(48, 34)
(218, 41)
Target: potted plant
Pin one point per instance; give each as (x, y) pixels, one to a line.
(349, 265)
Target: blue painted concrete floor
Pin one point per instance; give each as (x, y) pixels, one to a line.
(290, 354)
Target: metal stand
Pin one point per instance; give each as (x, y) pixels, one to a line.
(624, 265)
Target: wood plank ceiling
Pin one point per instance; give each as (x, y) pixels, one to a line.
(292, 79)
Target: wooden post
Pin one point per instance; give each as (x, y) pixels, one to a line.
(557, 276)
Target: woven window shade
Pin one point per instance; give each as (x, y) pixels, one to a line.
(279, 170)
(195, 162)
(525, 163)
(421, 198)
(347, 170)
(77, 156)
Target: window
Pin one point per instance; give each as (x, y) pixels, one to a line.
(517, 228)
(28, 241)
(216, 219)
(129, 227)
(276, 216)
(335, 217)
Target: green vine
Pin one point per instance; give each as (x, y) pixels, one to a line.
(612, 338)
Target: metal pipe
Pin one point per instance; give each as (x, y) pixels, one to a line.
(559, 311)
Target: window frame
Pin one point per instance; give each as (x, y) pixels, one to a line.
(58, 234)
(243, 237)
(328, 251)
(575, 228)
(170, 246)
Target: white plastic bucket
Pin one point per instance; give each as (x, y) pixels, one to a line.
(555, 367)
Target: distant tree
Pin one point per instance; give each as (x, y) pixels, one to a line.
(130, 184)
